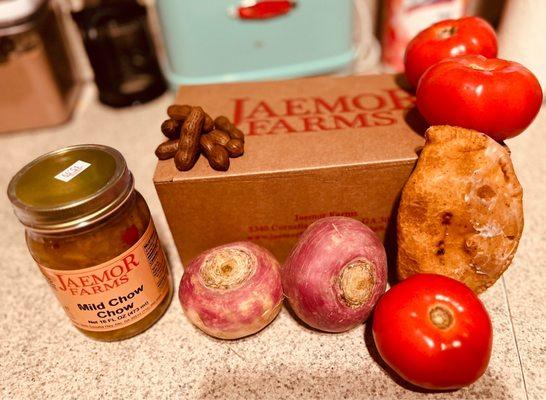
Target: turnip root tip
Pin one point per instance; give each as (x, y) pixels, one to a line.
(227, 268)
(356, 282)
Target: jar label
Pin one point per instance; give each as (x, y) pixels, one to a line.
(117, 293)
(71, 172)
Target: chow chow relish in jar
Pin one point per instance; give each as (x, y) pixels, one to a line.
(93, 238)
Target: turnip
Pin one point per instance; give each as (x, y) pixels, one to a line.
(335, 274)
(232, 290)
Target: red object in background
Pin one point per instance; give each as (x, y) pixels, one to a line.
(265, 9)
(445, 39)
(403, 19)
(497, 97)
(434, 332)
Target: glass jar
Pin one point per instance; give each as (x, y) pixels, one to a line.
(93, 238)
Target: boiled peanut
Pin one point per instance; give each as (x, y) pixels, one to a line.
(179, 112)
(208, 124)
(224, 124)
(219, 137)
(188, 145)
(216, 154)
(167, 149)
(235, 147)
(171, 128)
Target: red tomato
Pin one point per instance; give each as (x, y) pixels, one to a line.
(434, 332)
(445, 39)
(493, 96)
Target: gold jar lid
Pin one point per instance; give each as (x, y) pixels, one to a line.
(70, 188)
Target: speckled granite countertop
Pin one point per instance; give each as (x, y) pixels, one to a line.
(42, 356)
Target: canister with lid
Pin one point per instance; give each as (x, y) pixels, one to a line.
(38, 80)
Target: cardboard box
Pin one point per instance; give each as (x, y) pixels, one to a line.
(315, 147)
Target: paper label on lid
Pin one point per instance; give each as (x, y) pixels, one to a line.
(71, 172)
(117, 293)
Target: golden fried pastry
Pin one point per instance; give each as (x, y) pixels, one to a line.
(461, 211)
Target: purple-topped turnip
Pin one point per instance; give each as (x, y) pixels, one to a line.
(335, 274)
(232, 290)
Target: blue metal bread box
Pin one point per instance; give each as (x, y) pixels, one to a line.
(228, 40)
